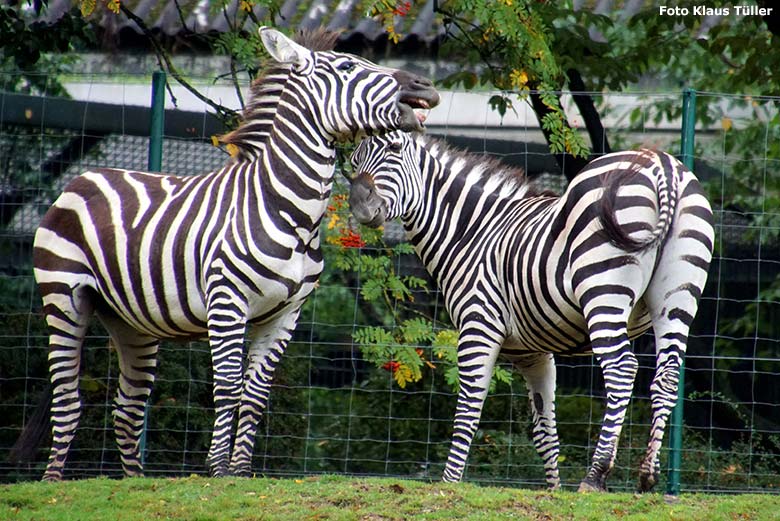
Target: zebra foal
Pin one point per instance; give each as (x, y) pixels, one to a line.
(227, 255)
(526, 275)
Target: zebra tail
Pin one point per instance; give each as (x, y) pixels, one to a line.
(666, 185)
(33, 433)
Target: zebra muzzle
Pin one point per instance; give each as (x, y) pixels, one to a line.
(416, 99)
(367, 207)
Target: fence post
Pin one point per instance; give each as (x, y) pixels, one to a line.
(158, 121)
(156, 128)
(675, 431)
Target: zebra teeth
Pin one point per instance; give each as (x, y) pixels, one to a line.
(422, 114)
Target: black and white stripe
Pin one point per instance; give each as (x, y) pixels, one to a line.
(527, 275)
(229, 254)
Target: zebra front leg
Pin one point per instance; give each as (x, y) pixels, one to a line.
(265, 353)
(477, 354)
(538, 370)
(227, 326)
(137, 365)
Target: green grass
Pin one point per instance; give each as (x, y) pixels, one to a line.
(337, 498)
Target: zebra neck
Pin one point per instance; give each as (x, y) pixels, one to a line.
(460, 193)
(259, 114)
(296, 173)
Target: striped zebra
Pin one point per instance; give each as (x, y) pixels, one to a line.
(224, 255)
(530, 275)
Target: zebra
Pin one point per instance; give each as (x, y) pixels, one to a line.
(225, 255)
(528, 274)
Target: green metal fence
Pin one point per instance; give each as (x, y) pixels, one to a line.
(331, 411)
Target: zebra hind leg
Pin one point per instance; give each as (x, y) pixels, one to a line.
(663, 396)
(611, 346)
(672, 300)
(538, 370)
(67, 311)
(137, 356)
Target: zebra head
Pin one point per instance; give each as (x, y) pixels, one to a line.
(348, 96)
(389, 180)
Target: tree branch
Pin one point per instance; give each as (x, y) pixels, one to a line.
(591, 117)
(569, 164)
(228, 116)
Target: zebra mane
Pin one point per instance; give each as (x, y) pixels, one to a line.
(492, 173)
(265, 92)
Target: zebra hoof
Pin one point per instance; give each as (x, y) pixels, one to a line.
(133, 470)
(647, 481)
(218, 472)
(588, 485)
(244, 471)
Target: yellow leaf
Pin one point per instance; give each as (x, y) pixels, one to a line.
(403, 374)
(87, 7)
(246, 6)
(519, 78)
(726, 123)
(113, 6)
(334, 219)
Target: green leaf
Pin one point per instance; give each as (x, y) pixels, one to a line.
(417, 331)
(372, 289)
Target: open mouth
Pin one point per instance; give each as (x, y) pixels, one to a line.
(414, 111)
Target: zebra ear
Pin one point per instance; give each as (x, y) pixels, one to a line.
(282, 49)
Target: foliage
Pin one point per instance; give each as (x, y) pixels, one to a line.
(28, 49)
(513, 42)
(400, 343)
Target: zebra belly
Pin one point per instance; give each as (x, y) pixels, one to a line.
(264, 301)
(575, 342)
(549, 339)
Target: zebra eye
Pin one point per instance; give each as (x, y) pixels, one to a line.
(346, 66)
(395, 146)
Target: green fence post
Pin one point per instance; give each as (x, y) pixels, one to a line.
(156, 128)
(675, 431)
(158, 121)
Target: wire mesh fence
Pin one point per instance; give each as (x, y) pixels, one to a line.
(332, 411)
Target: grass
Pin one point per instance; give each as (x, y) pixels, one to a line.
(346, 498)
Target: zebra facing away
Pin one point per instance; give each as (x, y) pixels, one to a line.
(229, 254)
(626, 247)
